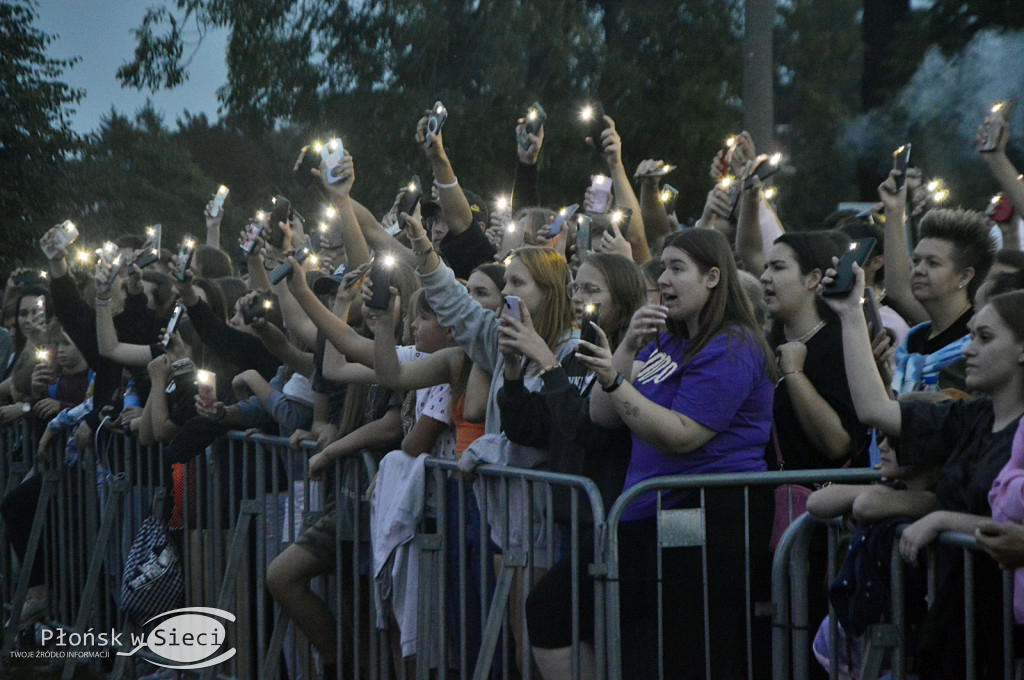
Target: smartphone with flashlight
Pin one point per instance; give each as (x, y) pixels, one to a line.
(514, 307)
(284, 270)
(564, 215)
(591, 313)
(258, 307)
(859, 252)
(998, 114)
(147, 257)
(331, 154)
(599, 198)
(668, 196)
(533, 121)
(172, 323)
(154, 234)
(411, 197)
(621, 219)
(657, 172)
(218, 200)
(63, 236)
(186, 249)
(253, 231)
(900, 163)
(593, 116)
(584, 226)
(206, 384)
(282, 212)
(309, 159)
(380, 277)
(435, 121)
(765, 169)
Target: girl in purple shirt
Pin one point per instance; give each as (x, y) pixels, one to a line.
(698, 399)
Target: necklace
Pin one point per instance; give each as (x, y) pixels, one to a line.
(807, 336)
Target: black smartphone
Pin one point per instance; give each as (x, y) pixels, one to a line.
(284, 270)
(147, 257)
(435, 121)
(668, 197)
(871, 314)
(413, 192)
(584, 227)
(533, 121)
(186, 249)
(380, 276)
(859, 252)
(309, 158)
(514, 307)
(900, 163)
(282, 212)
(765, 169)
(591, 313)
(258, 307)
(659, 172)
(593, 116)
(561, 218)
(172, 323)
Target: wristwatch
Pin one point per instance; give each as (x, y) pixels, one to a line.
(615, 383)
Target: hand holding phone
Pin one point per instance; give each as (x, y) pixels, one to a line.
(172, 323)
(186, 250)
(514, 307)
(533, 121)
(282, 212)
(284, 270)
(560, 219)
(591, 313)
(991, 134)
(331, 154)
(842, 283)
(900, 163)
(584, 227)
(668, 196)
(380, 278)
(592, 116)
(764, 169)
(435, 121)
(411, 197)
(61, 236)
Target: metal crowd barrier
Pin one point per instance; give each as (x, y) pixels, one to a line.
(885, 645)
(241, 501)
(482, 645)
(686, 528)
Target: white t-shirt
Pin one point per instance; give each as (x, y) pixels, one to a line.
(433, 402)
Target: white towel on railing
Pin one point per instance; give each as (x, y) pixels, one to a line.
(396, 508)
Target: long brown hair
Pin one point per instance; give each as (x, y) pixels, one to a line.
(551, 274)
(728, 309)
(626, 287)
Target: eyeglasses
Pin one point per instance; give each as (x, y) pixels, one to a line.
(587, 289)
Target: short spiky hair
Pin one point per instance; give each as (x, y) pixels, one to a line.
(968, 232)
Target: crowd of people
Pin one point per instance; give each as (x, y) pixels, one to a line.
(613, 343)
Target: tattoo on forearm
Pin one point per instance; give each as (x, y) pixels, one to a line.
(629, 410)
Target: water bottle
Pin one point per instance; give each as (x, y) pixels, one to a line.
(931, 383)
(131, 395)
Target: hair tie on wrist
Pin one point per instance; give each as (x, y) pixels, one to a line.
(447, 186)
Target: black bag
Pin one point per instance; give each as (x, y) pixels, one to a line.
(153, 581)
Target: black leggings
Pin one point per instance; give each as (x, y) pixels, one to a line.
(549, 605)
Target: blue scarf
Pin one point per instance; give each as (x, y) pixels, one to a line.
(911, 368)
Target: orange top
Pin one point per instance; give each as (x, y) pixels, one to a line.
(465, 432)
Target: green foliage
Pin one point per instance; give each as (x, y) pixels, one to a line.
(34, 133)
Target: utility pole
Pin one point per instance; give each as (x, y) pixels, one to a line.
(759, 72)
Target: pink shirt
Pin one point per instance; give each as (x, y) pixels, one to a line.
(1007, 500)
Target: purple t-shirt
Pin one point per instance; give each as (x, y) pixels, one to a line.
(725, 388)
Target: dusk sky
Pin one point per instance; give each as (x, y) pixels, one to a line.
(100, 32)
